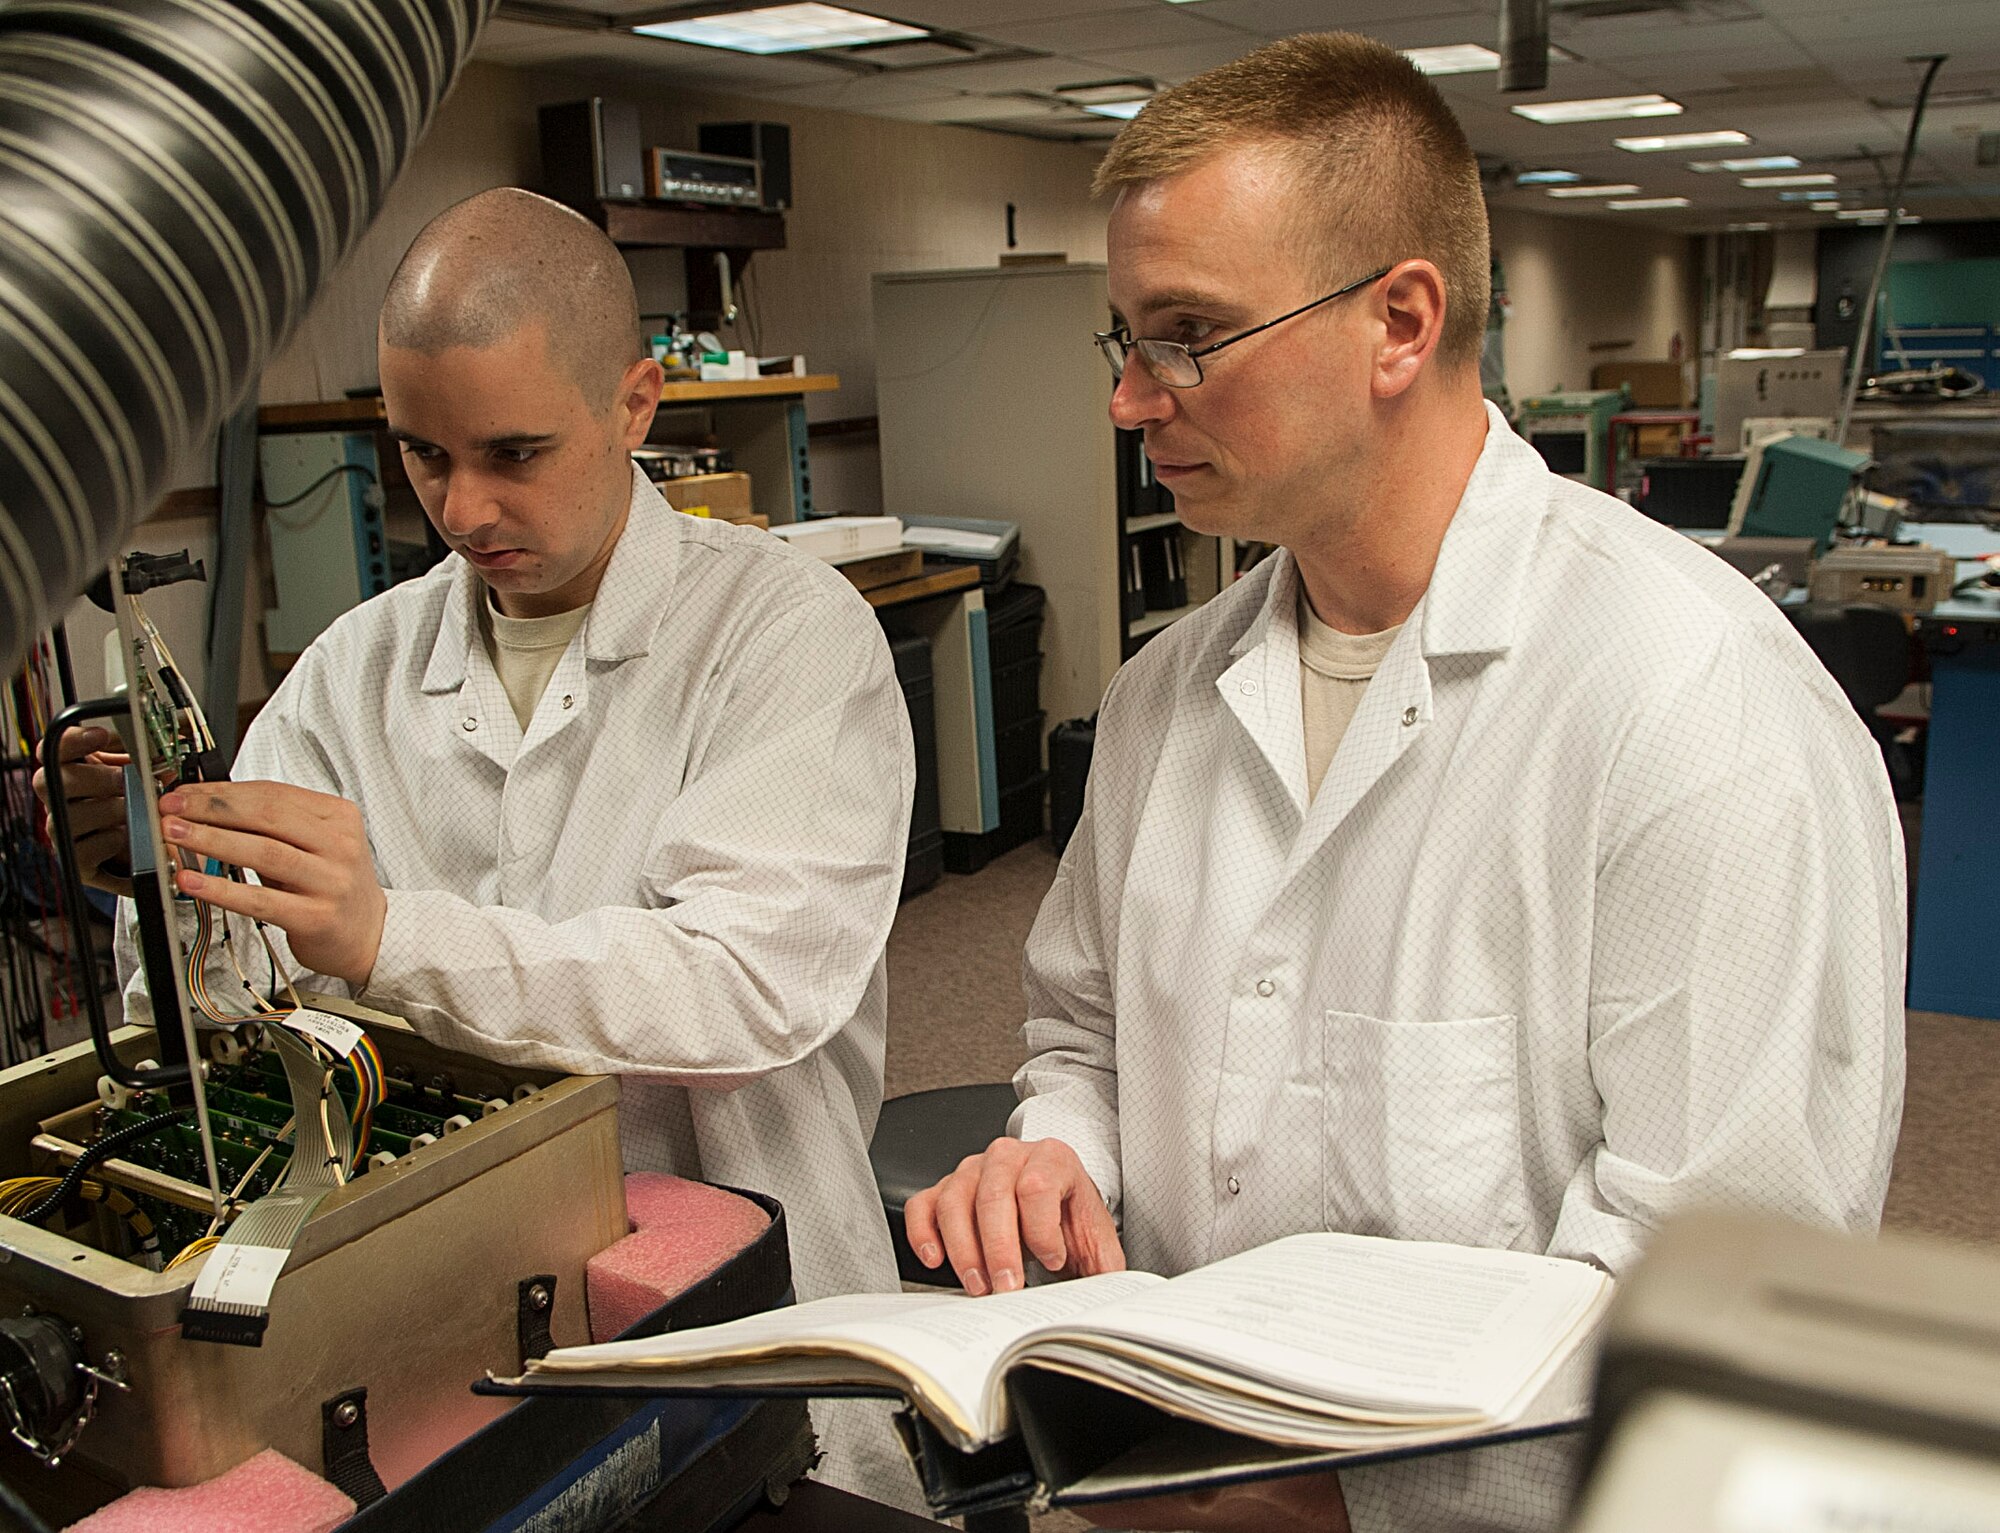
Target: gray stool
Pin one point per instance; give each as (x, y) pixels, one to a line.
(921, 1138)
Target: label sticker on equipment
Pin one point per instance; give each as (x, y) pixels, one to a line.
(1774, 1490)
(337, 1033)
(240, 1275)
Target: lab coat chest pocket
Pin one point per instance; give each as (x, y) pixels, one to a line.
(1422, 1132)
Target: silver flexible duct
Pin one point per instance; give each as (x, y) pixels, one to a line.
(177, 177)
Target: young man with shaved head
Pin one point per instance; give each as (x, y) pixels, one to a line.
(612, 789)
(1490, 865)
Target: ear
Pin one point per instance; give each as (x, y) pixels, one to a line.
(1410, 302)
(638, 397)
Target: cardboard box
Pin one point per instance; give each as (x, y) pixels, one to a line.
(1652, 385)
(726, 497)
(1658, 441)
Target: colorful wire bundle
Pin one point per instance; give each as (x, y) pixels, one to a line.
(366, 1063)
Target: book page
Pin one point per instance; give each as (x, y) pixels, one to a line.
(1383, 1325)
(944, 1344)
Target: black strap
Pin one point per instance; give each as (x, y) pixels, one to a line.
(534, 1307)
(343, 1444)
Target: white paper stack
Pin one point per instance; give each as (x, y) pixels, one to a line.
(837, 539)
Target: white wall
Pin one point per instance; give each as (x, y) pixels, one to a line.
(874, 195)
(1577, 283)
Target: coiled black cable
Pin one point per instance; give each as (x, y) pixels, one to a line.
(96, 1153)
(176, 179)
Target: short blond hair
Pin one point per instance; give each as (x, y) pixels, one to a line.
(1386, 171)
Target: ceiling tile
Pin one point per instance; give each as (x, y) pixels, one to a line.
(866, 93)
(1159, 26)
(1756, 42)
(1281, 18)
(1172, 65)
(967, 108)
(977, 16)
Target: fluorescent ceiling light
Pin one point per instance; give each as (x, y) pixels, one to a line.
(1104, 92)
(1762, 162)
(1823, 178)
(1454, 59)
(1124, 109)
(1599, 109)
(1824, 194)
(1546, 178)
(1639, 203)
(1876, 216)
(1748, 228)
(783, 29)
(1653, 145)
(1591, 191)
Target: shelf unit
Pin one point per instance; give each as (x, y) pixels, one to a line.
(993, 403)
(762, 421)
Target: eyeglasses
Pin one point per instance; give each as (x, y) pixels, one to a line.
(1178, 366)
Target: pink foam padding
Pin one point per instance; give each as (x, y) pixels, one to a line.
(682, 1231)
(265, 1494)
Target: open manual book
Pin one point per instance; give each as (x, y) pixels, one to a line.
(1317, 1343)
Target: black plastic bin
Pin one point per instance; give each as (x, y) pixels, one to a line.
(1014, 627)
(1017, 751)
(1021, 821)
(1071, 745)
(1017, 691)
(924, 863)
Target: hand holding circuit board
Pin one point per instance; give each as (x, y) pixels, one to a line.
(310, 851)
(94, 783)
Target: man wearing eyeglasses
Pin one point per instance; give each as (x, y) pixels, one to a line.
(1491, 865)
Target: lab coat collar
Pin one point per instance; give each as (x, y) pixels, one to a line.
(1473, 603)
(632, 599)
(1262, 687)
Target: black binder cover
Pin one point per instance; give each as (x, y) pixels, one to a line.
(1082, 1444)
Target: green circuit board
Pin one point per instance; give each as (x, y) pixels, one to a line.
(249, 1105)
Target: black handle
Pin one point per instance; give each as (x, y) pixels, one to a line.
(79, 920)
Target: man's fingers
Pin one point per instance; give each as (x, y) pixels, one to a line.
(273, 906)
(1093, 1233)
(276, 862)
(997, 1213)
(297, 815)
(80, 742)
(920, 1227)
(1040, 1194)
(957, 1229)
(93, 816)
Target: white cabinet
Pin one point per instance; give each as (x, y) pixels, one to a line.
(993, 402)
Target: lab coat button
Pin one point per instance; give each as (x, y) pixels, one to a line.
(1248, 688)
(470, 725)
(1266, 988)
(1409, 717)
(568, 699)
(1234, 1186)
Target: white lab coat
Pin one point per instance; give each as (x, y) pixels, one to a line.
(684, 874)
(1598, 915)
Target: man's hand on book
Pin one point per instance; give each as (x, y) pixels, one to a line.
(1014, 1195)
(1307, 1503)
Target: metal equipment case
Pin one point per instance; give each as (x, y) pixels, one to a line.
(408, 1281)
(1572, 431)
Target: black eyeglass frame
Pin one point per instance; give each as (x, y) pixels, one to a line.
(1121, 338)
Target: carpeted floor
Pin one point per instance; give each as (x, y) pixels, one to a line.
(955, 1011)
